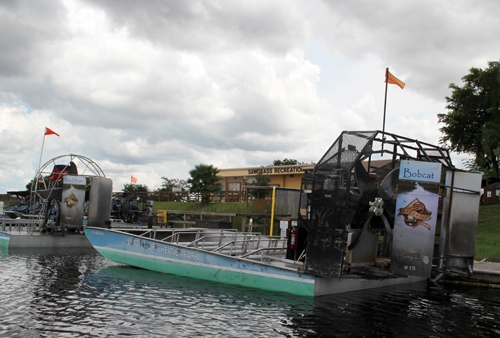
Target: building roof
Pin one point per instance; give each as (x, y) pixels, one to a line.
(269, 170)
(286, 169)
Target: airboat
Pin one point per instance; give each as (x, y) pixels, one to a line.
(378, 209)
(53, 212)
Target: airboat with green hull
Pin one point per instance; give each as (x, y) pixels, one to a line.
(63, 194)
(367, 218)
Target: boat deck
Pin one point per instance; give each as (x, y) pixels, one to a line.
(25, 233)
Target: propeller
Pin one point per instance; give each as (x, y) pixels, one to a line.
(379, 199)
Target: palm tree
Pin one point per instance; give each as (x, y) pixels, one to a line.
(204, 180)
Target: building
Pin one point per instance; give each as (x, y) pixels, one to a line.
(284, 176)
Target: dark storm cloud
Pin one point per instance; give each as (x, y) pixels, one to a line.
(208, 26)
(28, 30)
(167, 84)
(164, 101)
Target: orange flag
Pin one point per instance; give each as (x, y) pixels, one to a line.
(394, 80)
(49, 131)
(133, 179)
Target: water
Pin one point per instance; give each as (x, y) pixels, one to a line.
(81, 294)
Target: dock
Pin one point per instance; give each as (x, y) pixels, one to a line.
(485, 274)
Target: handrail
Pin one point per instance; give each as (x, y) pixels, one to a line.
(166, 238)
(261, 249)
(20, 224)
(214, 232)
(147, 232)
(253, 240)
(223, 246)
(203, 213)
(195, 241)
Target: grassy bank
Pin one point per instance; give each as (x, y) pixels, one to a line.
(487, 240)
(237, 208)
(488, 233)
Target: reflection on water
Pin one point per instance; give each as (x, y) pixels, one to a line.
(82, 294)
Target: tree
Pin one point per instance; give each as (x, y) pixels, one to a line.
(286, 161)
(472, 124)
(491, 145)
(29, 186)
(204, 180)
(471, 166)
(131, 187)
(168, 183)
(261, 180)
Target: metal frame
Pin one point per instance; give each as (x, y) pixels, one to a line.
(86, 167)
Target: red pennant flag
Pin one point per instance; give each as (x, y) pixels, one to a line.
(391, 79)
(49, 131)
(133, 179)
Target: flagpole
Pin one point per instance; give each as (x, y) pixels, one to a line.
(41, 152)
(385, 105)
(34, 185)
(385, 100)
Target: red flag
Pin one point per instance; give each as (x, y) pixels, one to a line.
(394, 80)
(133, 179)
(49, 131)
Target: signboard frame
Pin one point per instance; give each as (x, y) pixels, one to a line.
(73, 199)
(416, 218)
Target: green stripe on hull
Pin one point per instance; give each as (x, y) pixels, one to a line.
(4, 242)
(208, 273)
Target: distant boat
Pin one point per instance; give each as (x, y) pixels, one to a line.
(52, 213)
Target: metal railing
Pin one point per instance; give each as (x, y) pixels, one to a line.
(224, 241)
(19, 225)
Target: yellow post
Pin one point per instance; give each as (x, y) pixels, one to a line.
(272, 211)
(162, 218)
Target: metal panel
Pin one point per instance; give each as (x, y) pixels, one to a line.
(365, 252)
(73, 199)
(462, 212)
(100, 202)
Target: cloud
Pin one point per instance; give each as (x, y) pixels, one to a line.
(209, 27)
(30, 31)
(151, 90)
(431, 44)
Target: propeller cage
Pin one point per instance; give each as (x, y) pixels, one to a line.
(344, 191)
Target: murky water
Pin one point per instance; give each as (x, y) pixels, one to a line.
(81, 294)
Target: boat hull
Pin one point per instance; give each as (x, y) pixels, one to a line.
(24, 239)
(122, 247)
(175, 259)
(4, 239)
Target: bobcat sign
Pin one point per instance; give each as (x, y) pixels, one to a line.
(416, 215)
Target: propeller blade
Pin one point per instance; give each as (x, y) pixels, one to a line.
(366, 186)
(355, 240)
(389, 184)
(387, 225)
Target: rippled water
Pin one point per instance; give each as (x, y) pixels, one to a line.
(81, 294)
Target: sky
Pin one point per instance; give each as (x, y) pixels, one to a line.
(151, 89)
